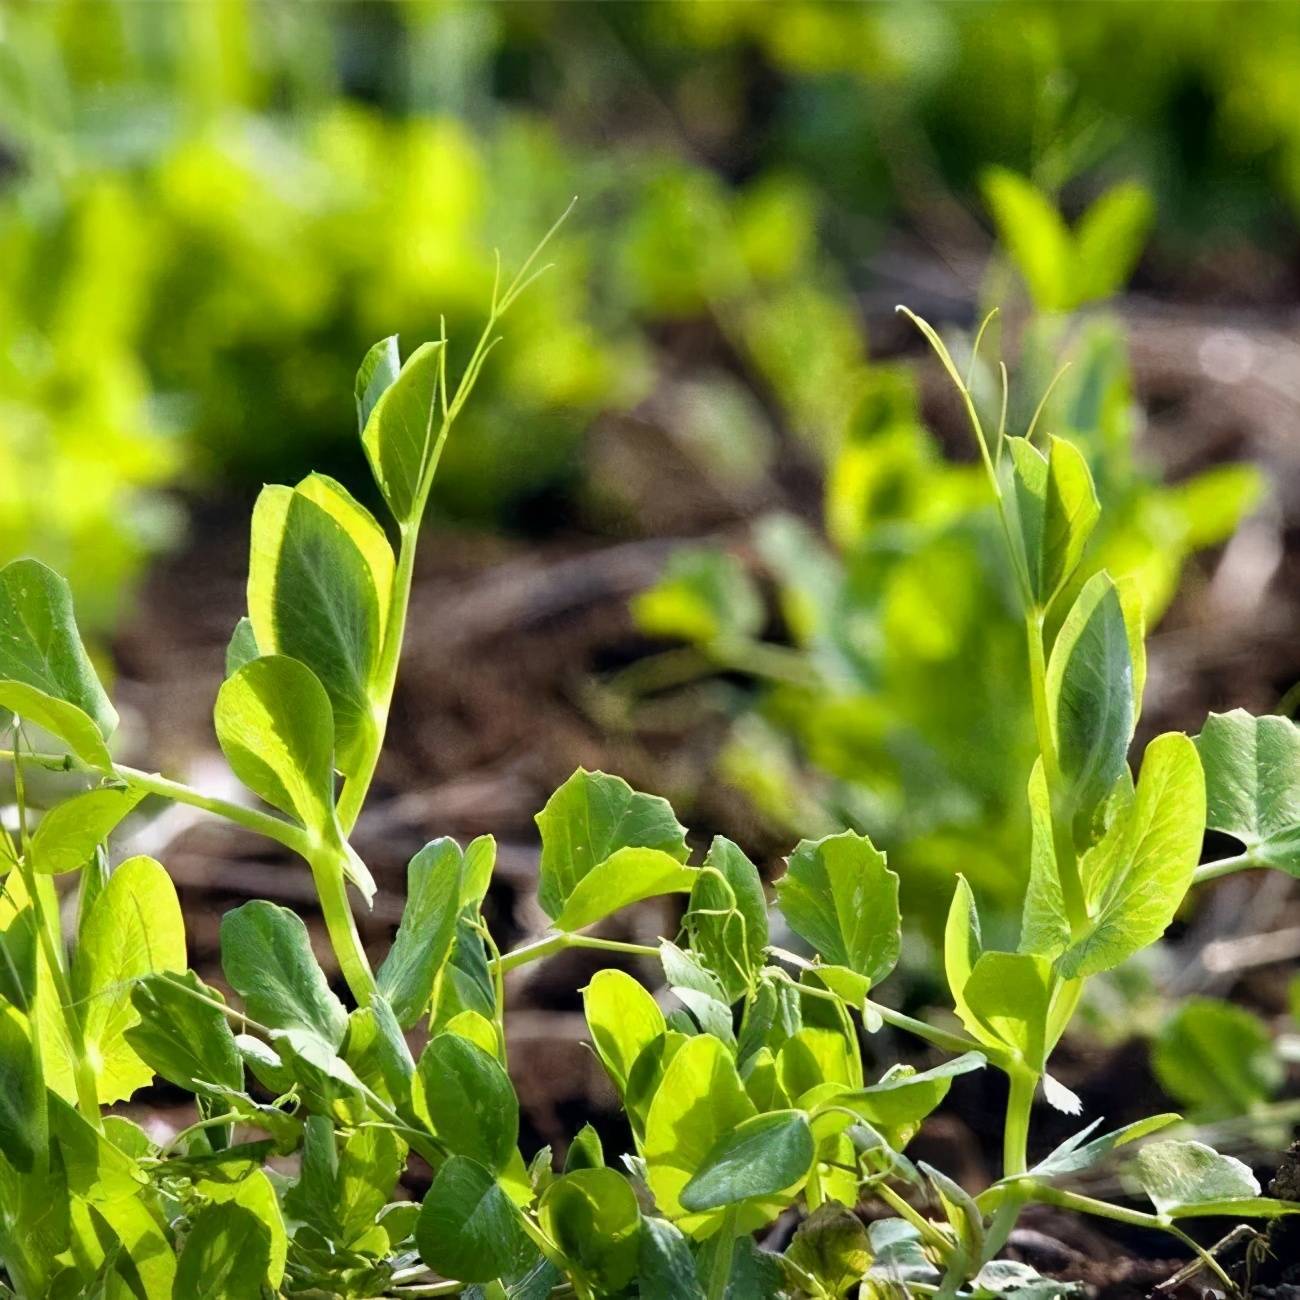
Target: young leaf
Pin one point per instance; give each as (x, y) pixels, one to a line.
(622, 1019)
(704, 596)
(40, 646)
(1006, 999)
(585, 1151)
(728, 917)
(378, 1053)
(134, 929)
(593, 1217)
(699, 1101)
(187, 1041)
(1135, 880)
(69, 833)
(627, 876)
(274, 725)
(467, 1229)
(470, 1101)
(1108, 240)
(227, 1254)
(838, 895)
(962, 946)
(267, 958)
(762, 1156)
(1252, 784)
(398, 432)
(813, 1057)
(1057, 509)
(409, 974)
(698, 990)
(588, 819)
(1090, 692)
(379, 367)
(313, 596)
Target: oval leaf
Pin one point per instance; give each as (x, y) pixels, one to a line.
(762, 1156)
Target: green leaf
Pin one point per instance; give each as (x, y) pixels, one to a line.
(186, 1041)
(698, 990)
(1108, 241)
(134, 929)
(480, 862)
(267, 958)
(1076, 1153)
(379, 367)
(585, 1151)
(24, 1129)
(623, 1019)
(1135, 879)
(627, 876)
(470, 1101)
(70, 724)
(40, 646)
(728, 917)
(831, 1245)
(242, 647)
(1035, 236)
(812, 1057)
(699, 1101)
(1090, 692)
(434, 885)
(704, 596)
(1179, 1174)
(962, 946)
(226, 1256)
(763, 1156)
(274, 725)
(398, 432)
(1252, 784)
(378, 1053)
(1057, 509)
(593, 1217)
(588, 819)
(67, 836)
(467, 1229)
(838, 895)
(898, 1103)
(666, 1268)
(1216, 1059)
(1044, 925)
(97, 1170)
(647, 1074)
(255, 1193)
(317, 567)
(1007, 998)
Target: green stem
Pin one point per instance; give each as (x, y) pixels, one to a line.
(1015, 1134)
(1225, 867)
(940, 1038)
(720, 1274)
(332, 891)
(554, 943)
(929, 1231)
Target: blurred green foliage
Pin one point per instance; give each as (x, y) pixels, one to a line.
(892, 699)
(207, 210)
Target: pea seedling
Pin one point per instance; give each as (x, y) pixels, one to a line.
(745, 1099)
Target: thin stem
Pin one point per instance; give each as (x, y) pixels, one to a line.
(553, 943)
(1225, 867)
(941, 1038)
(1015, 1135)
(45, 909)
(720, 1273)
(929, 1230)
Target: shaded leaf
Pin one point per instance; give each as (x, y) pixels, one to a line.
(467, 1229)
(593, 1216)
(469, 1098)
(186, 1041)
(226, 1256)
